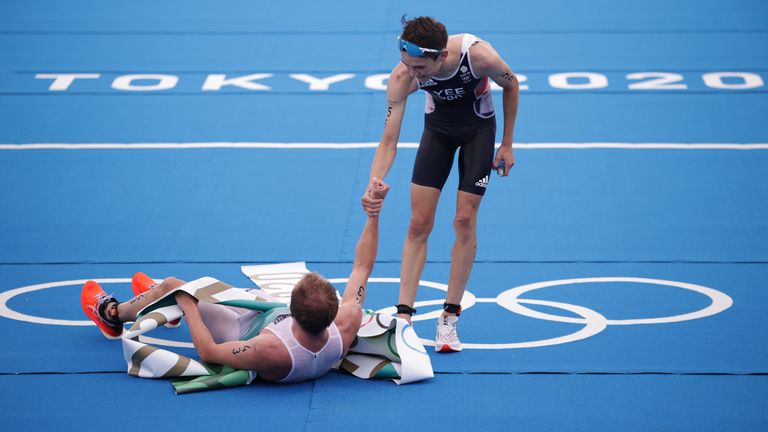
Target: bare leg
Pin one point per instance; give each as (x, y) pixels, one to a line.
(464, 247)
(423, 205)
(128, 310)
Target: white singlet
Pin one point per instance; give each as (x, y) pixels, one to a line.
(305, 363)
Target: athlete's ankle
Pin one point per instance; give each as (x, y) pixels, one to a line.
(451, 309)
(119, 312)
(405, 317)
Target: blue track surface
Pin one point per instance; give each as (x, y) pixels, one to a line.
(687, 215)
(240, 206)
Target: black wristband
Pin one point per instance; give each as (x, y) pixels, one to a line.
(452, 308)
(405, 309)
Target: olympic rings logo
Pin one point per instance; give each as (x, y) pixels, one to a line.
(7, 312)
(593, 322)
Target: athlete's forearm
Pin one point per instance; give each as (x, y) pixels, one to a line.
(368, 245)
(387, 149)
(384, 158)
(201, 336)
(365, 257)
(510, 98)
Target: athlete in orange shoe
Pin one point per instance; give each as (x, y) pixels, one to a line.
(294, 346)
(101, 309)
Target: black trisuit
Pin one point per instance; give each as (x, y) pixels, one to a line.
(459, 114)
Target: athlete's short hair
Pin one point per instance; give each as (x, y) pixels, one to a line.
(314, 303)
(425, 32)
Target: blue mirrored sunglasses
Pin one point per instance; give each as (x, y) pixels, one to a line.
(414, 50)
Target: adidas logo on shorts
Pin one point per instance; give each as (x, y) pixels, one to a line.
(483, 182)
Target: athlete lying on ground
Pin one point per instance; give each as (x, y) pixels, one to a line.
(298, 346)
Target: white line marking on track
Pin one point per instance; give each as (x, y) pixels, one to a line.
(351, 146)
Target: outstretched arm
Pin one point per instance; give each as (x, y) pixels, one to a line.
(400, 85)
(350, 312)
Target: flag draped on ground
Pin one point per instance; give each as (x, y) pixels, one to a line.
(386, 347)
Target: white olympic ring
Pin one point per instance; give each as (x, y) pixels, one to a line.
(510, 300)
(594, 325)
(593, 321)
(7, 312)
(12, 314)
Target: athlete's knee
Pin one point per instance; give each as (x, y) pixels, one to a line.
(464, 225)
(420, 226)
(170, 283)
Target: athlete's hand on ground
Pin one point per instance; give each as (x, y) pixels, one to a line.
(373, 198)
(504, 153)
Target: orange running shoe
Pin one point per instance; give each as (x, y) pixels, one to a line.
(101, 309)
(141, 283)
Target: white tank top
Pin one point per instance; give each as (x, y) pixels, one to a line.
(306, 364)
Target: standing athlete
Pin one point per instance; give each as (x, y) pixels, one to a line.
(455, 73)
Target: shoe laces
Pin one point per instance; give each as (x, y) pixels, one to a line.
(447, 331)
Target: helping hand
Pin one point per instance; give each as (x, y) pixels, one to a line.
(378, 189)
(373, 198)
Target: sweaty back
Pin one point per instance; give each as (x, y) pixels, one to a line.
(305, 363)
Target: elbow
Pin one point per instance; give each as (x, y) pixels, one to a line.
(515, 86)
(509, 86)
(206, 354)
(512, 91)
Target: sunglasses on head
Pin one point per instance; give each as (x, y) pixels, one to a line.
(414, 50)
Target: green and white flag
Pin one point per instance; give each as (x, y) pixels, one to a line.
(386, 347)
(147, 361)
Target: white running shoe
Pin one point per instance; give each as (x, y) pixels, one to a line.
(446, 339)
